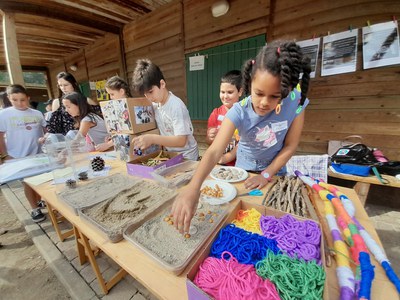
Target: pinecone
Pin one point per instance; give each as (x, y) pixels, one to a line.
(97, 164)
(71, 183)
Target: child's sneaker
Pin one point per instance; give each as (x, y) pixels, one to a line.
(41, 204)
(37, 215)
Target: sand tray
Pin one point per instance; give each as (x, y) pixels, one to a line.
(143, 200)
(96, 191)
(162, 242)
(178, 175)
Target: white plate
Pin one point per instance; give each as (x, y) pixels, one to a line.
(241, 178)
(229, 192)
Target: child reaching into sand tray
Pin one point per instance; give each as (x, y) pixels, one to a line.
(269, 121)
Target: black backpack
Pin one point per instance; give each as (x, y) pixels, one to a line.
(357, 154)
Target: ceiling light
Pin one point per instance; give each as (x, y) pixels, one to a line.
(219, 8)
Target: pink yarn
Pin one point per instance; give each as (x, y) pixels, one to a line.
(228, 279)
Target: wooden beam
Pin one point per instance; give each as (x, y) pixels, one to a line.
(65, 13)
(11, 50)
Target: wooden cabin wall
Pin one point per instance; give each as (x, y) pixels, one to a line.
(244, 19)
(365, 102)
(97, 61)
(159, 37)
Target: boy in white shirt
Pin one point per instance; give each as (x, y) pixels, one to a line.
(171, 114)
(23, 127)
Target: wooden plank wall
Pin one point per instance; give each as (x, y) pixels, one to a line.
(365, 102)
(244, 19)
(97, 61)
(159, 37)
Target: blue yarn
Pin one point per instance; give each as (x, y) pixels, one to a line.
(367, 275)
(247, 247)
(330, 196)
(391, 274)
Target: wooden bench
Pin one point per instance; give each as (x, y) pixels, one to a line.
(363, 183)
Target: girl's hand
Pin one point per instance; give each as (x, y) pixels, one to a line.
(142, 142)
(102, 147)
(255, 182)
(212, 132)
(184, 208)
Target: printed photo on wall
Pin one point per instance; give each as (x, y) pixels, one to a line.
(311, 49)
(339, 53)
(144, 114)
(380, 45)
(101, 92)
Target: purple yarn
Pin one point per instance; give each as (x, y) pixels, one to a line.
(346, 293)
(299, 239)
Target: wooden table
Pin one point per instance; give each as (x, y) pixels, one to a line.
(363, 183)
(164, 284)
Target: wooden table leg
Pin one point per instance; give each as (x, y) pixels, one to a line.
(362, 189)
(83, 241)
(55, 220)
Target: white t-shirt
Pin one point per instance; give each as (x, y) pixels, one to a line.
(172, 120)
(23, 129)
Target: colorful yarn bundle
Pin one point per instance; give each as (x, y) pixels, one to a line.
(296, 238)
(247, 247)
(293, 278)
(344, 272)
(372, 245)
(248, 220)
(227, 279)
(358, 247)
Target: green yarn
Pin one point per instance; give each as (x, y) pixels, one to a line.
(293, 278)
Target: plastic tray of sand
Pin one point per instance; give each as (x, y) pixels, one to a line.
(96, 191)
(177, 175)
(143, 200)
(159, 239)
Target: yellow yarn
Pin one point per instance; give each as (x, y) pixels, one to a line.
(248, 220)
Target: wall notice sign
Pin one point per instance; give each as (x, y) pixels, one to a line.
(381, 45)
(339, 53)
(310, 48)
(196, 63)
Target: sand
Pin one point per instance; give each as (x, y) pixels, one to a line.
(128, 206)
(96, 191)
(167, 245)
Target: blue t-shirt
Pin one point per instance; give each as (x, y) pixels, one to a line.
(262, 138)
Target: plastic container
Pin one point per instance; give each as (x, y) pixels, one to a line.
(177, 175)
(112, 224)
(164, 244)
(95, 191)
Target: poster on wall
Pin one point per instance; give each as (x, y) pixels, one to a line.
(380, 45)
(339, 53)
(101, 92)
(310, 48)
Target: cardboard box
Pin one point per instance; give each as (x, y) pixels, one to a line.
(125, 149)
(195, 293)
(128, 115)
(136, 168)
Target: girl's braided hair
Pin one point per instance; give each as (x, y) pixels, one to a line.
(284, 59)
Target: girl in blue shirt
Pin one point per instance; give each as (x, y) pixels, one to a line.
(270, 122)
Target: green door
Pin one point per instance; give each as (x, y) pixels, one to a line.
(203, 85)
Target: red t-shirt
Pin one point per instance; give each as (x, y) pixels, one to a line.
(215, 121)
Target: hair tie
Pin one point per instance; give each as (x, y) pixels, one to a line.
(253, 61)
(278, 50)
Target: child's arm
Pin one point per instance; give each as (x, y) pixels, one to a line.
(3, 148)
(212, 125)
(185, 203)
(292, 140)
(229, 156)
(146, 140)
(84, 127)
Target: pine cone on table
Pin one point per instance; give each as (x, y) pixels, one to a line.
(97, 164)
